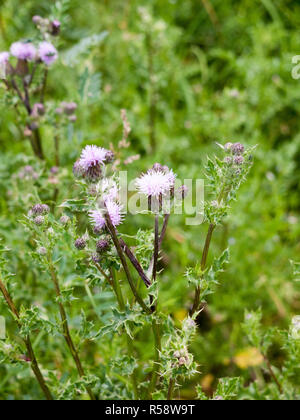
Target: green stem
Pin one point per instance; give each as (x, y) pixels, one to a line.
(118, 292)
(157, 341)
(27, 341)
(171, 389)
(203, 266)
(66, 329)
(118, 247)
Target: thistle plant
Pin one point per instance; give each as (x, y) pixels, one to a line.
(104, 291)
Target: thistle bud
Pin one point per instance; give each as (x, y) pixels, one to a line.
(238, 149)
(42, 251)
(39, 220)
(64, 220)
(102, 246)
(80, 243)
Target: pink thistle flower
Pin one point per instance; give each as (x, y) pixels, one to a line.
(47, 53)
(92, 156)
(114, 211)
(108, 190)
(91, 161)
(23, 50)
(156, 183)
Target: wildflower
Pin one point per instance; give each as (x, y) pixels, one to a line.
(42, 251)
(102, 246)
(64, 220)
(38, 110)
(110, 156)
(55, 27)
(91, 161)
(27, 173)
(95, 258)
(80, 243)
(23, 50)
(238, 149)
(4, 57)
(54, 170)
(40, 209)
(108, 190)
(39, 220)
(114, 211)
(36, 19)
(238, 160)
(156, 183)
(78, 170)
(69, 107)
(72, 118)
(228, 160)
(47, 53)
(59, 111)
(182, 192)
(228, 147)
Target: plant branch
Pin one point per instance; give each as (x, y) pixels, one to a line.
(66, 329)
(203, 266)
(132, 258)
(118, 247)
(27, 341)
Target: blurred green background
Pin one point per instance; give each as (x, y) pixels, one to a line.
(189, 73)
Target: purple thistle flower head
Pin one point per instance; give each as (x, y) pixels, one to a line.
(47, 53)
(238, 160)
(36, 19)
(23, 50)
(55, 27)
(110, 156)
(156, 183)
(114, 211)
(92, 156)
(95, 258)
(39, 220)
(38, 110)
(80, 243)
(40, 209)
(102, 246)
(91, 161)
(108, 190)
(238, 149)
(69, 107)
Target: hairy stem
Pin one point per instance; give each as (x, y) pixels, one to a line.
(272, 373)
(119, 295)
(132, 258)
(27, 341)
(66, 329)
(203, 265)
(171, 389)
(157, 341)
(156, 247)
(118, 247)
